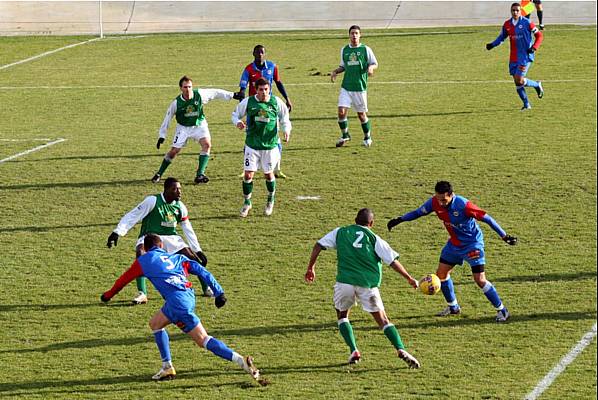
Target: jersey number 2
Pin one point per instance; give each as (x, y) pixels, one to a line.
(357, 243)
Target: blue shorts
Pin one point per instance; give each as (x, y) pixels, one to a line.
(473, 254)
(519, 68)
(181, 313)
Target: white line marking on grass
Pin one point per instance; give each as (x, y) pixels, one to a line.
(308, 197)
(47, 53)
(32, 150)
(26, 140)
(560, 367)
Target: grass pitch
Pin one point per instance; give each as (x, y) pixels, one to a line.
(441, 106)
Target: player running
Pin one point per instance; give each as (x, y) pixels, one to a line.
(466, 243)
(360, 253)
(519, 30)
(168, 273)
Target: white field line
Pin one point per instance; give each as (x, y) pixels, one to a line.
(46, 53)
(560, 367)
(290, 84)
(308, 197)
(32, 150)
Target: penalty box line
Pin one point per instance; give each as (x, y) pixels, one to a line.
(60, 140)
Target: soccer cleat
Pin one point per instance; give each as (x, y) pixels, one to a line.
(141, 298)
(245, 210)
(526, 107)
(269, 208)
(156, 178)
(449, 311)
(208, 292)
(541, 27)
(355, 357)
(408, 358)
(540, 90)
(341, 142)
(280, 174)
(250, 368)
(502, 315)
(201, 179)
(164, 374)
(367, 141)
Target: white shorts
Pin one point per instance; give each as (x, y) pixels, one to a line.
(184, 133)
(357, 100)
(172, 243)
(345, 297)
(265, 160)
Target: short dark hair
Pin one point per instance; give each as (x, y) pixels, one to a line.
(354, 27)
(443, 187)
(258, 47)
(168, 182)
(184, 79)
(261, 82)
(151, 240)
(364, 217)
(516, 4)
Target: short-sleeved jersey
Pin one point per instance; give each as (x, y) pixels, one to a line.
(355, 61)
(360, 253)
(163, 218)
(189, 112)
(253, 72)
(459, 219)
(520, 37)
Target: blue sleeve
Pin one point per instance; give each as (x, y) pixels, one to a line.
(501, 37)
(425, 209)
(206, 277)
(494, 225)
(280, 87)
(244, 79)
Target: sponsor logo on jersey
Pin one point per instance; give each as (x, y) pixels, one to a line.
(262, 116)
(190, 111)
(353, 59)
(456, 213)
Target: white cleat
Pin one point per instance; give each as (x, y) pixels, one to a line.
(250, 368)
(141, 298)
(341, 142)
(269, 208)
(502, 315)
(408, 358)
(367, 142)
(164, 374)
(245, 210)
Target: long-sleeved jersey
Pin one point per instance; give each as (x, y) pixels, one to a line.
(253, 72)
(520, 36)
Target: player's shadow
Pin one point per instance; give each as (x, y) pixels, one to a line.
(398, 115)
(47, 307)
(38, 229)
(91, 157)
(542, 277)
(78, 185)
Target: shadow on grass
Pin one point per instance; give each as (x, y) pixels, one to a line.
(51, 228)
(80, 185)
(543, 277)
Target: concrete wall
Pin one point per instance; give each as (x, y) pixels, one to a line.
(82, 17)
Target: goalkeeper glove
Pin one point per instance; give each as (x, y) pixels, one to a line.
(104, 298)
(489, 46)
(394, 222)
(238, 96)
(510, 240)
(112, 240)
(160, 141)
(220, 301)
(531, 50)
(203, 260)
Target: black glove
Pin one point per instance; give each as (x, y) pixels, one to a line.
(220, 301)
(238, 96)
(104, 298)
(489, 46)
(112, 240)
(203, 260)
(160, 141)
(531, 50)
(510, 240)
(394, 222)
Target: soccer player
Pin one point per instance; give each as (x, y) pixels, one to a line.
(265, 115)
(519, 30)
(187, 108)
(540, 12)
(262, 68)
(160, 214)
(466, 243)
(358, 62)
(360, 253)
(168, 273)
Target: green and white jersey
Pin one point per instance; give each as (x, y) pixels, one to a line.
(360, 253)
(355, 61)
(263, 121)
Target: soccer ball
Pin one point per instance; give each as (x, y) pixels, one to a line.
(429, 284)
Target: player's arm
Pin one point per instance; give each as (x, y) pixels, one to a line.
(170, 112)
(208, 95)
(193, 267)
(339, 70)
(281, 88)
(128, 276)
(188, 229)
(425, 209)
(284, 120)
(327, 242)
(372, 61)
(472, 210)
(391, 257)
(499, 39)
(244, 82)
(131, 218)
(538, 37)
(239, 113)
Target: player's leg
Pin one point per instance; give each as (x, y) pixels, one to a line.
(205, 141)
(344, 298)
(344, 103)
(392, 334)
(180, 138)
(518, 71)
(537, 85)
(476, 259)
(277, 171)
(449, 257)
(141, 297)
(269, 158)
(250, 165)
(540, 12)
(157, 324)
(360, 101)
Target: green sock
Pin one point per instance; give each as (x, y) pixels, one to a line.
(392, 334)
(163, 166)
(141, 286)
(271, 186)
(365, 127)
(346, 330)
(203, 163)
(344, 125)
(247, 189)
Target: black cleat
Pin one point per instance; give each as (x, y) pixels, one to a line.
(201, 179)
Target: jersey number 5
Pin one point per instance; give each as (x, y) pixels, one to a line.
(166, 260)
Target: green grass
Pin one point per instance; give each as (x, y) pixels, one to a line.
(534, 172)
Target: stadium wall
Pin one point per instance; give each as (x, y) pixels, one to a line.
(136, 17)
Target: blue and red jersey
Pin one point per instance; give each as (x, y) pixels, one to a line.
(459, 219)
(253, 72)
(168, 273)
(520, 36)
